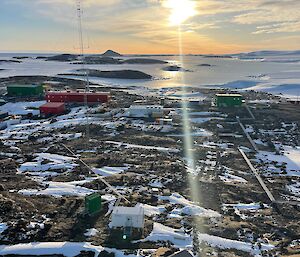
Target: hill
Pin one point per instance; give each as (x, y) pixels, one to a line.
(111, 53)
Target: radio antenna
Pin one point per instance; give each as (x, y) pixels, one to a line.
(84, 69)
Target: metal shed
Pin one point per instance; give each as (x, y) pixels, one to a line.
(25, 90)
(52, 109)
(228, 100)
(77, 97)
(128, 217)
(93, 203)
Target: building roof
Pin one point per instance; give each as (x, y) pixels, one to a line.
(146, 107)
(53, 105)
(23, 85)
(136, 210)
(75, 93)
(229, 95)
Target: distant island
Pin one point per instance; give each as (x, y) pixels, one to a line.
(143, 61)
(217, 56)
(109, 57)
(41, 57)
(111, 53)
(21, 57)
(63, 58)
(93, 59)
(115, 74)
(109, 60)
(175, 68)
(9, 61)
(205, 65)
(270, 53)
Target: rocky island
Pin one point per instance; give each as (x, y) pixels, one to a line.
(62, 58)
(111, 53)
(115, 74)
(205, 65)
(175, 68)
(143, 61)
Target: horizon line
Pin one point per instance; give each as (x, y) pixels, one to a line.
(165, 54)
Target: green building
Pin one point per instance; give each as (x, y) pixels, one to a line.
(93, 203)
(25, 90)
(228, 100)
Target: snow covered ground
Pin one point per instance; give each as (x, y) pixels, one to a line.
(77, 116)
(22, 108)
(287, 85)
(91, 232)
(68, 249)
(3, 227)
(244, 206)
(178, 238)
(53, 162)
(197, 133)
(294, 188)
(230, 178)
(224, 243)
(289, 161)
(109, 171)
(150, 210)
(189, 208)
(157, 148)
(59, 189)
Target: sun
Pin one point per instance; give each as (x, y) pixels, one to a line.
(181, 10)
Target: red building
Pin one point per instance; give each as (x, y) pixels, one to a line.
(77, 97)
(52, 109)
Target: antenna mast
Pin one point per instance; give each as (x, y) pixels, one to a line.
(79, 15)
(85, 70)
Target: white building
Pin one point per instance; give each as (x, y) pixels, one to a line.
(132, 217)
(146, 111)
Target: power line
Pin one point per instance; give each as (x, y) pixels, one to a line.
(91, 170)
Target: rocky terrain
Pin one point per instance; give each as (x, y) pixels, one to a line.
(42, 184)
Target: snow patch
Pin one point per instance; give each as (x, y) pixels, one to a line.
(91, 232)
(224, 243)
(110, 171)
(68, 249)
(59, 189)
(189, 208)
(163, 233)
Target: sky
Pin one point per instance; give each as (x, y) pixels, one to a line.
(150, 26)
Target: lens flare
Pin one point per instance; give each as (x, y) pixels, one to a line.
(181, 10)
(187, 130)
(188, 138)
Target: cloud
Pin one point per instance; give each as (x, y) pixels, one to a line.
(284, 27)
(214, 24)
(272, 16)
